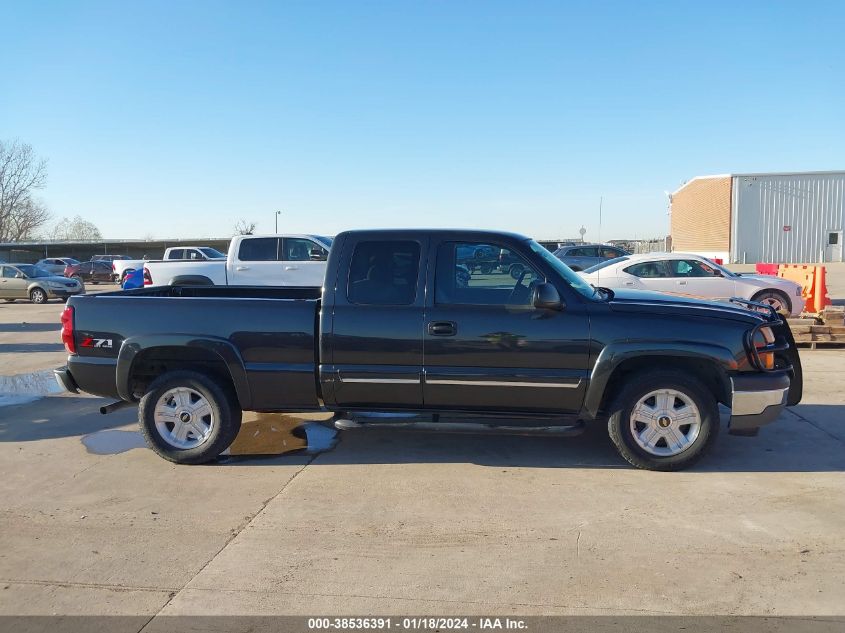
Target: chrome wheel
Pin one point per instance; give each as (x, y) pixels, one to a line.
(183, 418)
(665, 422)
(38, 296)
(775, 302)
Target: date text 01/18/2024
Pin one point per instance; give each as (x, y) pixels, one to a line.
(416, 623)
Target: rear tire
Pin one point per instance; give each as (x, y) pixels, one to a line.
(38, 295)
(663, 420)
(186, 417)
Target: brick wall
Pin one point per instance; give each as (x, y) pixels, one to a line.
(701, 215)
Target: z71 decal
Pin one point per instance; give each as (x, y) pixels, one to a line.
(103, 343)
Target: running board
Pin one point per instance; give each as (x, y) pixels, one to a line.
(346, 424)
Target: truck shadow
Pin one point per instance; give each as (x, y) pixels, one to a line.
(58, 416)
(797, 442)
(791, 444)
(30, 327)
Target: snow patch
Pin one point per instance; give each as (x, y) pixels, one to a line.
(25, 388)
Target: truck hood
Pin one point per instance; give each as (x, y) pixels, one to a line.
(648, 301)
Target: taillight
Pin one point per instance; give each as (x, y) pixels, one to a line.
(112, 266)
(762, 339)
(148, 280)
(67, 330)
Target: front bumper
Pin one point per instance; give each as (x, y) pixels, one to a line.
(757, 400)
(64, 293)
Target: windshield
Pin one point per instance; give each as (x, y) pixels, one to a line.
(212, 253)
(325, 241)
(722, 269)
(604, 264)
(575, 282)
(30, 270)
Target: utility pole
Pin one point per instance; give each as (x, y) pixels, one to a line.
(278, 213)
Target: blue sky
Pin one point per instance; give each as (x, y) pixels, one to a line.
(175, 119)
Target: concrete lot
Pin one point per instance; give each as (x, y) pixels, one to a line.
(411, 523)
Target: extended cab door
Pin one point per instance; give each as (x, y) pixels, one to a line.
(371, 346)
(256, 262)
(487, 347)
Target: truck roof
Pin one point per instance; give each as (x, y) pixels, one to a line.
(456, 233)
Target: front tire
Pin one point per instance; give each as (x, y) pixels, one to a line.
(778, 300)
(38, 295)
(663, 420)
(186, 417)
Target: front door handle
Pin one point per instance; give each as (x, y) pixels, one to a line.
(291, 267)
(443, 328)
(241, 267)
(682, 283)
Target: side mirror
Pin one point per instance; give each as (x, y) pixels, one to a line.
(547, 297)
(317, 255)
(20, 276)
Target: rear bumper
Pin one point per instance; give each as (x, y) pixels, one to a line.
(65, 379)
(757, 400)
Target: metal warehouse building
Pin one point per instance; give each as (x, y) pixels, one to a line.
(749, 218)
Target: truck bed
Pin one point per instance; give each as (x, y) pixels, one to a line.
(264, 337)
(222, 292)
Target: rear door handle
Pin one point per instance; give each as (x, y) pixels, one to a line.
(241, 267)
(682, 283)
(291, 267)
(443, 328)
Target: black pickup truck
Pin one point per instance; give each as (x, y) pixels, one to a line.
(400, 326)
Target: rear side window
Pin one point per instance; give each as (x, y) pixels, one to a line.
(177, 253)
(384, 273)
(647, 270)
(583, 251)
(259, 249)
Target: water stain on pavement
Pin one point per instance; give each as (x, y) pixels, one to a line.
(112, 441)
(260, 434)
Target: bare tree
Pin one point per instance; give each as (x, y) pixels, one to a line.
(242, 227)
(21, 173)
(76, 230)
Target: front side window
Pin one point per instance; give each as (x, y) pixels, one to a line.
(259, 249)
(9, 272)
(689, 268)
(384, 273)
(647, 270)
(297, 249)
(609, 253)
(482, 274)
(212, 253)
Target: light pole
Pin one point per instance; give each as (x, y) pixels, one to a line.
(278, 213)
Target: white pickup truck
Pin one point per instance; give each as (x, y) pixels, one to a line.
(122, 267)
(253, 260)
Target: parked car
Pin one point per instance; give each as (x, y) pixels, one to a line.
(688, 274)
(90, 272)
(253, 260)
(121, 267)
(581, 256)
(27, 281)
(398, 326)
(56, 265)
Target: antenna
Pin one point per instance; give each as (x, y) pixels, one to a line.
(601, 200)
